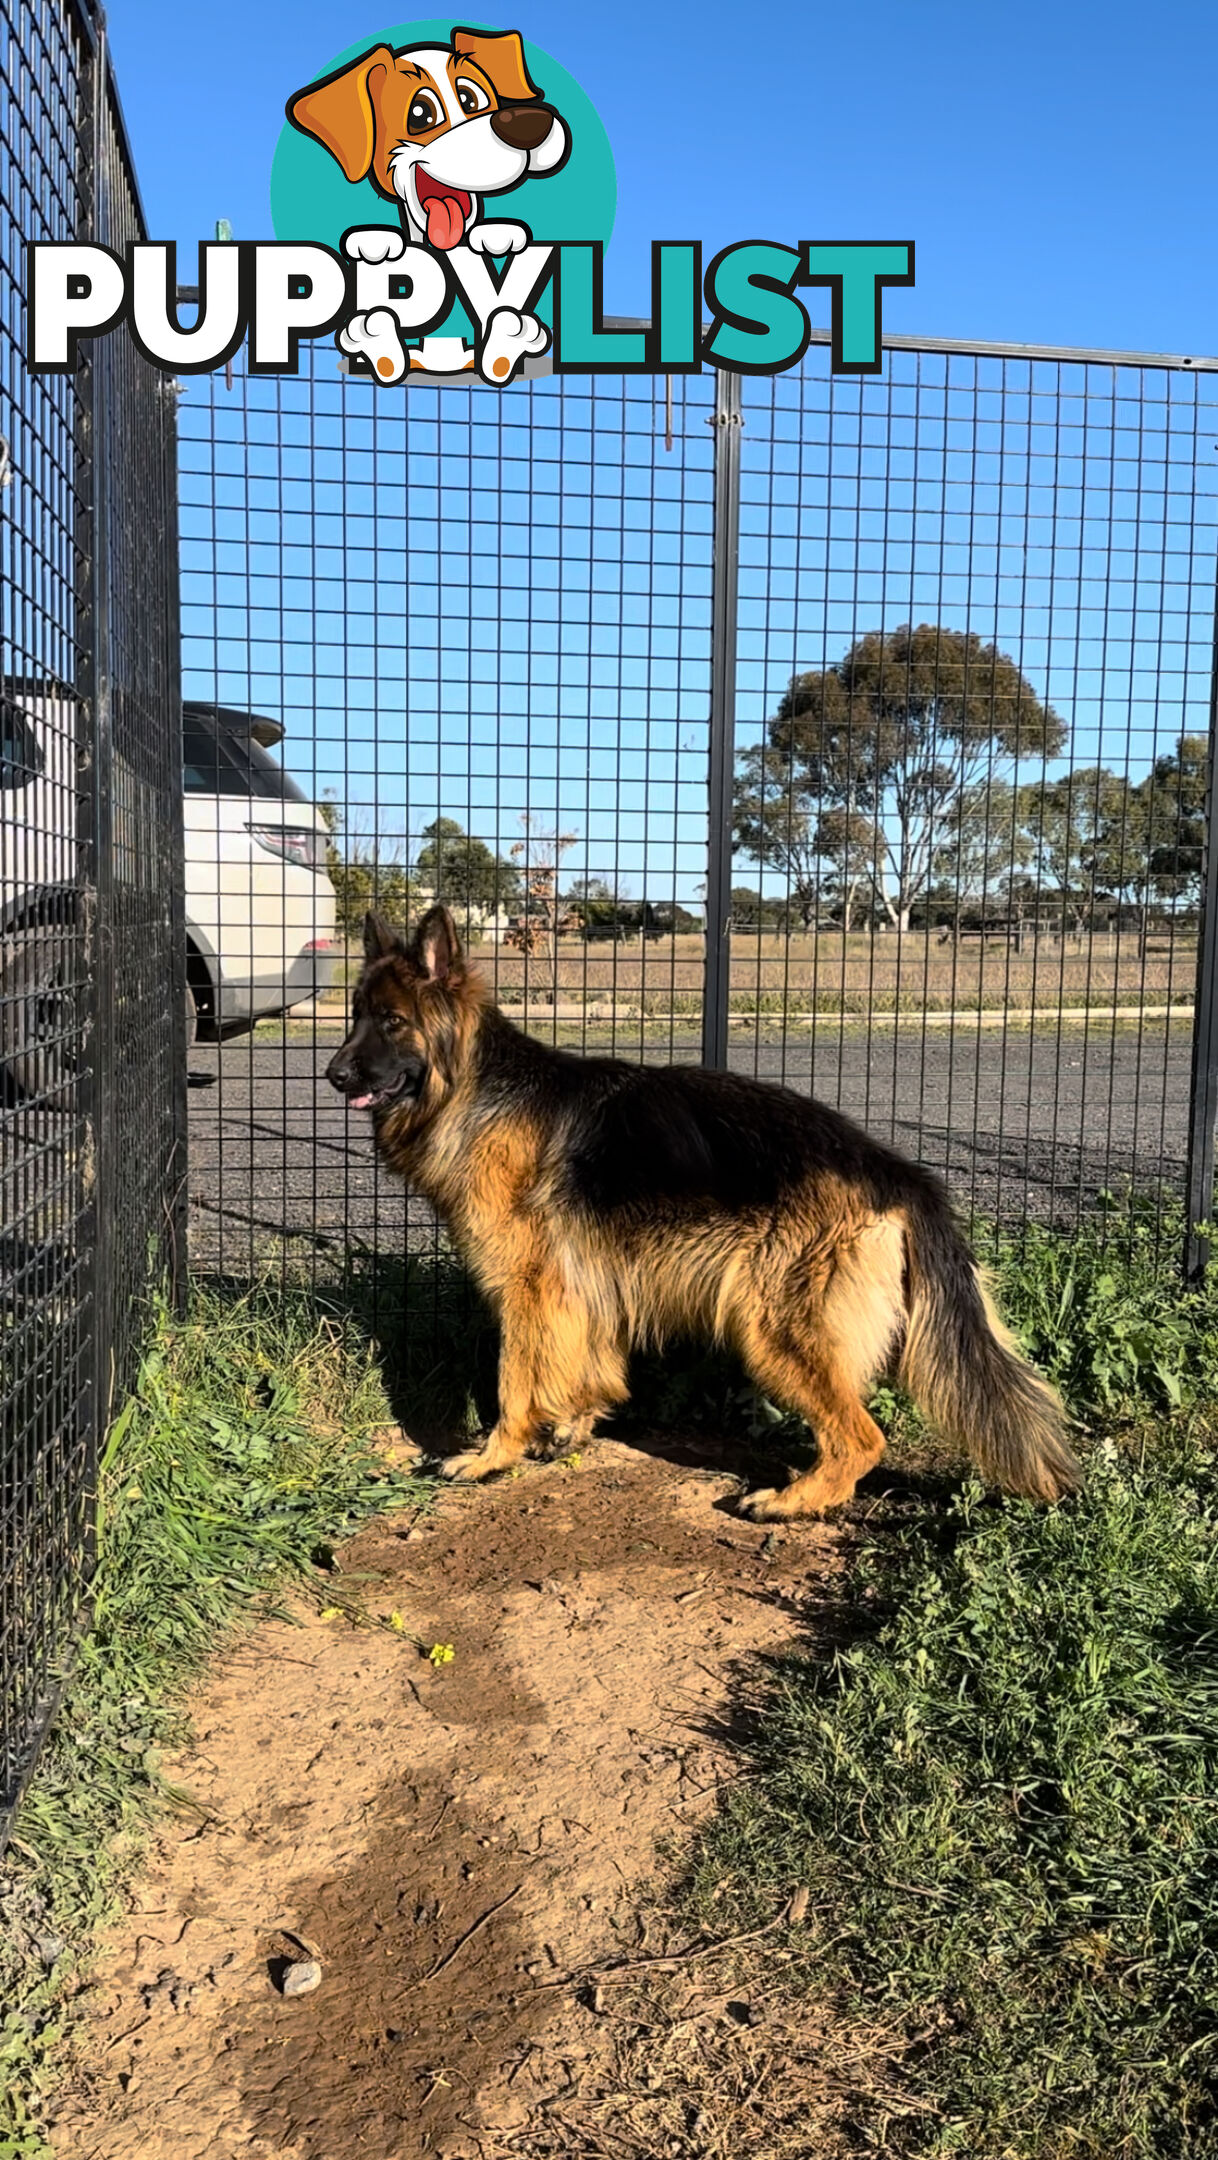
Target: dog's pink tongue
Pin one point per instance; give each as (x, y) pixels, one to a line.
(445, 221)
(358, 1102)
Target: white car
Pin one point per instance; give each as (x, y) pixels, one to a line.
(259, 904)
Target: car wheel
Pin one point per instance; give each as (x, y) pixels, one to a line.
(38, 1012)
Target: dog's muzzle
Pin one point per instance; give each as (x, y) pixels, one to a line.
(522, 127)
(374, 1092)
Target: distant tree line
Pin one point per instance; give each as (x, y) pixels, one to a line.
(522, 887)
(903, 786)
(892, 788)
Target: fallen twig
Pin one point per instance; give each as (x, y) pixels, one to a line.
(461, 1941)
(671, 1957)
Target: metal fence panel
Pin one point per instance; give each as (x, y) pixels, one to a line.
(551, 605)
(1012, 997)
(485, 608)
(139, 1066)
(46, 1366)
(91, 1133)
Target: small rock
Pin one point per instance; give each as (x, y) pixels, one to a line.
(394, 2032)
(797, 1910)
(50, 1949)
(302, 1978)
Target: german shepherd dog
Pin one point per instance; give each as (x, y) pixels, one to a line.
(602, 1205)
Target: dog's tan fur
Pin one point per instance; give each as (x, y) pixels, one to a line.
(824, 1262)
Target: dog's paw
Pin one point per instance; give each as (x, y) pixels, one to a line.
(376, 338)
(497, 239)
(374, 244)
(762, 1505)
(467, 1469)
(809, 1496)
(510, 339)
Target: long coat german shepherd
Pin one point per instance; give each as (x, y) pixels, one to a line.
(602, 1205)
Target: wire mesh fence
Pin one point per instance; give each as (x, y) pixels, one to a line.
(484, 624)
(976, 636)
(852, 732)
(91, 1122)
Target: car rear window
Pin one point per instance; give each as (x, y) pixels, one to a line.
(216, 761)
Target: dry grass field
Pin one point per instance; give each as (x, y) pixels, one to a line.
(826, 973)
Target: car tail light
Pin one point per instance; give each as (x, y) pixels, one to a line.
(301, 844)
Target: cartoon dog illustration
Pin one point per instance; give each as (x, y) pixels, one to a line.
(437, 128)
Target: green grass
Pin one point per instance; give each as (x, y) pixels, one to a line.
(1002, 1796)
(245, 1450)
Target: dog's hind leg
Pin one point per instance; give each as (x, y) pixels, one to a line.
(820, 1362)
(818, 1384)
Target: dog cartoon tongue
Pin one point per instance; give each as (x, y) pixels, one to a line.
(445, 221)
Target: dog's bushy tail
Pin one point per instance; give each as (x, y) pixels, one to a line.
(965, 1373)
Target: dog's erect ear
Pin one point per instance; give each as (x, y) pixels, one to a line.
(380, 939)
(341, 114)
(500, 55)
(437, 948)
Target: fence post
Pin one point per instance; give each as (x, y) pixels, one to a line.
(178, 1167)
(1203, 1081)
(101, 1046)
(727, 422)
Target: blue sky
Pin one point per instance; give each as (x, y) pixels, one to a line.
(1053, 164)
(546, 647)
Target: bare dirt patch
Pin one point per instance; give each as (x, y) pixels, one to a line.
(464, 1848)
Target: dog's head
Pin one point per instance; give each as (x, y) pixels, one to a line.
(410, 1020)
(436, 126)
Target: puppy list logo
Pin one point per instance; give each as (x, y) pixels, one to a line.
(408, 183)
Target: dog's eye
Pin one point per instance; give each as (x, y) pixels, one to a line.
(424, 113)
(471, 97)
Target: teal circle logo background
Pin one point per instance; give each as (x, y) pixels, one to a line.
(311, 200)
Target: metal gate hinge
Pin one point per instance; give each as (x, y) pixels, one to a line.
(725, 419)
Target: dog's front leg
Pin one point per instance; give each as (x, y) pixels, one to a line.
(522, 1363)
(558, 1368)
